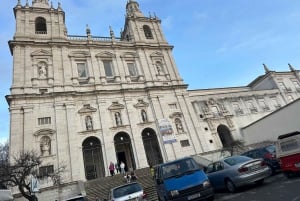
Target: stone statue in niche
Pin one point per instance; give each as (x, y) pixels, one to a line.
(118, 119)
(42, 69)
(89, 123)
(144, 116)
(45, 146)
(179, 126)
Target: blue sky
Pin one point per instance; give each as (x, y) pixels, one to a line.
(217, 43)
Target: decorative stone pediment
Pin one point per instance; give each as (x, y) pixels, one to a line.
(87, 109)
(41, 52)
(45, 131)
(128, 55)
(79, 54)
(116, 106)
(156, 54)
(141, 104)
(175, 114)
(105, 55)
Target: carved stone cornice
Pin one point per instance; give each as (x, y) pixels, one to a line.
(141, 104)
(87, 109)
(44, 131)
(116, 106)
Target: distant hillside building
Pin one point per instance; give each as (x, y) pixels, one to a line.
(84, 101)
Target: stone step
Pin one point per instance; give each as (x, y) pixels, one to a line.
(100, 187)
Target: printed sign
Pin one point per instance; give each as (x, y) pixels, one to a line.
(166, 131)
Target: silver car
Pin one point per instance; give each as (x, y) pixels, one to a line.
(131, 191)
(235, 171)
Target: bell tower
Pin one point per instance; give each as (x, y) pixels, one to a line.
(39, 21)
(141, 29)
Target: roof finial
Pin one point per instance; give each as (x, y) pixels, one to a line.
(19, 3)
(27, 4)
(291, 67)
(88, 30)
(111, 32)
(266, 68)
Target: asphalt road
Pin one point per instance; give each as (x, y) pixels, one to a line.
(275, 188)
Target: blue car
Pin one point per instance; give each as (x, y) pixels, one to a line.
(182, 179)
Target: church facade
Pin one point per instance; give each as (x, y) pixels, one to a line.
(84, 101)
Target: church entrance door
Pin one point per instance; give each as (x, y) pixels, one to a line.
(93, 158)
(151, 147)
(124, 151)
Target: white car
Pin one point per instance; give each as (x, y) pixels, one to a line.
(6, 195)
(131, 191)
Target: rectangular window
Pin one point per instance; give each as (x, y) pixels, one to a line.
(184, 143)
(108, 68)
(44, 120)
(45, 171)
(173, 106)
(132, 69)
(82, 70)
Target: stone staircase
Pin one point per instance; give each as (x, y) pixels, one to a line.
(101, 187)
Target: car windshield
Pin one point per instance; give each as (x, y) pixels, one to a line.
(236, 160)
(126, 190)
(179, 168)
(271, 148)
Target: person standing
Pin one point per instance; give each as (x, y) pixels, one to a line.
(117, 167)
(111, 169)
(122, 166)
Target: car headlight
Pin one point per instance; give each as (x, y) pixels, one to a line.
(206, 184)
(174, 193)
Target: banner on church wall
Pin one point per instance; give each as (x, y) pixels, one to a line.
(166, 131)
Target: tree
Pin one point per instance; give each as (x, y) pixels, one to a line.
(20, 171)
(235, 147)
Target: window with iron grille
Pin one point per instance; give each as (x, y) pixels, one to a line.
(45, 171)
(44, 120)
(185, 143)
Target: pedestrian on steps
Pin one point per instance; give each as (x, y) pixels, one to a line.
(111, 169)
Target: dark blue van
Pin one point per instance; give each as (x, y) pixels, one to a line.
(182, 179)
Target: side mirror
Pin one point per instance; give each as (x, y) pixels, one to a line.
(159, 181)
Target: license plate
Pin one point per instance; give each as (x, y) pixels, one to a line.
(194, 196)
(254, 167)
(297, 165)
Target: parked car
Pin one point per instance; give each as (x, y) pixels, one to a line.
(268, 153)
(6, 195)
(76, 198)
(235, 171)
(182, 179)
(288, 152)
(130, 191)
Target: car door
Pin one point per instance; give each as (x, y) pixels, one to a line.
(216, 175)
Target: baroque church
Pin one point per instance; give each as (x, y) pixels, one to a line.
(84, 101)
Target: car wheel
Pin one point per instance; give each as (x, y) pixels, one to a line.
(260, 182)
(210, 198)
(289, 174)
(230, 186)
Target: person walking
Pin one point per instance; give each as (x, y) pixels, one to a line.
(111, 169)
(122, 166)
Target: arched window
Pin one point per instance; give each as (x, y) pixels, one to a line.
(40, 25)
(147, 32)
(89, 123)
(144, 116)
